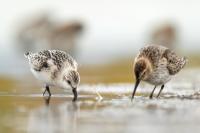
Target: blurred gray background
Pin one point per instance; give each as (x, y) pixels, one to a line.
(110, 29)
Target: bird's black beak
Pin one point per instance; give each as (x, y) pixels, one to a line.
(74, 90)
(136, 85)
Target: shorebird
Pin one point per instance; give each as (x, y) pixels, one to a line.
(54, 68)
(156, 65)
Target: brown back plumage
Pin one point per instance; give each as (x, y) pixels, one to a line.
(155, 53)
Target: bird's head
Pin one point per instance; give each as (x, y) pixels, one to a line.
(71, 79)
(142, 68)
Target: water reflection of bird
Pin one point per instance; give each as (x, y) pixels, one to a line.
(156, 65)
(47, 100)
(55, 68)
(57, 118)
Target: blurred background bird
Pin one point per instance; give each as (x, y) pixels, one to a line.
(43, 31)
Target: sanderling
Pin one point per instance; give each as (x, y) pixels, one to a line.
(156, 65)
(54, 68)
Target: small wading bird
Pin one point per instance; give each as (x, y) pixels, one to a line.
(156, 65)
(54, 68)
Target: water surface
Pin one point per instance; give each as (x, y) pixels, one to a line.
(24, 109)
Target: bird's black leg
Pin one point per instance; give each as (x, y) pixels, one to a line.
(47, 89)
(75, 94)
(151, 95)
(162, 87)
(44, 91)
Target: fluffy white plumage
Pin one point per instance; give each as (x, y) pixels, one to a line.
(54, 68)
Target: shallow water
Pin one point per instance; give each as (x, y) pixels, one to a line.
(177, 110)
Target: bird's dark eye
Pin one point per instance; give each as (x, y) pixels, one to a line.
(69, 82)
(45, 65)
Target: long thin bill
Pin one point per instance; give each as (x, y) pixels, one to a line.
(75, 94)
(136, 85)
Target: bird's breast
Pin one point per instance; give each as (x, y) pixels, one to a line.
(159, 76)
(42, 76)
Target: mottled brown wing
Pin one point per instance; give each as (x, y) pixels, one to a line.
(175, 63)
(59, 57)
(153, 53)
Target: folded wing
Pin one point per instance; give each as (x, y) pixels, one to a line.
(175, 63)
